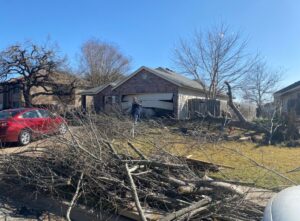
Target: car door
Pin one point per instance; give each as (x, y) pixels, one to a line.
(45, 117)
(31, 120)
(48, 122)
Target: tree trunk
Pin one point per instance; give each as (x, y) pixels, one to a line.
(27, 98)
(259, 111)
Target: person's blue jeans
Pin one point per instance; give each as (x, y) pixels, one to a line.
(136, 117)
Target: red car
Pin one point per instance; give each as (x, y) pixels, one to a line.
(23, 124)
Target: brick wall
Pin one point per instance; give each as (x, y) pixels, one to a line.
(99, 98)
(146, 82)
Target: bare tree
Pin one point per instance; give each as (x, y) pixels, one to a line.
(260, 84)
(30, 65)
(214, 57)
(102, 63)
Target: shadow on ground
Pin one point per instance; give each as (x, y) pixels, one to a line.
(17, 204)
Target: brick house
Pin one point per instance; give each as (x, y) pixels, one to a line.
(11, 95)
(161, 91)
(289, 99)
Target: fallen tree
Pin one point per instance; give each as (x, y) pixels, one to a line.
(241, 122)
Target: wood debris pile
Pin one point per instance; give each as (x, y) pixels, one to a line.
(91, 171)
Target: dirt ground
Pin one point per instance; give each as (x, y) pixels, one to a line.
(17, 204)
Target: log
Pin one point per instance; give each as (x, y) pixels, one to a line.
(112, 149)
(137, 151)
(192, 213)
(187, 210)
(172, 180)
(193, 190)
(204, 165)
(232, 106)
(74, 198)
(155, 164)
(135, 195)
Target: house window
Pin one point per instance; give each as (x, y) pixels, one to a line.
(108, 99)
(111, 99)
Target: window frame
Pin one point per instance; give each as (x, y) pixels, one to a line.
(41, 115)
(37, 113)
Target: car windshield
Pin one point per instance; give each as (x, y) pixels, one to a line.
(8, 114)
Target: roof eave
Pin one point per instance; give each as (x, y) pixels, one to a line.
(96, 92)
(279, 93)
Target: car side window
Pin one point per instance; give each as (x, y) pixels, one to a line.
(44, 113)
(30, 114)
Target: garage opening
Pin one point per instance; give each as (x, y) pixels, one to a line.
(154, 104)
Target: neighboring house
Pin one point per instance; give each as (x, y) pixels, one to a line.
(289, 99)
(161, 91)
(11, 95)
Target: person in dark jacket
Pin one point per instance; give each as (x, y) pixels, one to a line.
(136, 109)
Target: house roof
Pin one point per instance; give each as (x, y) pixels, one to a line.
(181, 80)
(168, 75)
(96, 90)
(55, 77)
(288, 88)
(163, 73)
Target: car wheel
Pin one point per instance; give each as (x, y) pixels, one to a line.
(62, 129)
(24, 137)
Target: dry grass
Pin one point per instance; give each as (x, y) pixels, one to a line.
(235, 154)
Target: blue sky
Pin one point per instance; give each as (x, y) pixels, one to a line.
(147, 30)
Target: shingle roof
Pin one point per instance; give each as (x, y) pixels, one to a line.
(290, 87)
(168, 75)
(178, 78)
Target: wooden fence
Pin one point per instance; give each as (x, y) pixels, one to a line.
(203, 106)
